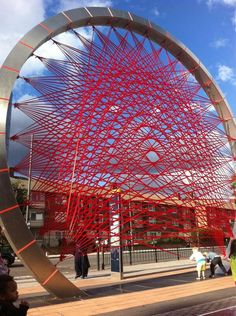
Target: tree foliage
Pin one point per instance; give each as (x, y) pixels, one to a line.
(20, 194)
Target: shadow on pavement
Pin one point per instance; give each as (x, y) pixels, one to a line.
(128, 286)
(190, 305)
(194, 305)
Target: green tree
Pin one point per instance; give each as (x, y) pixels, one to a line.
(20, 194)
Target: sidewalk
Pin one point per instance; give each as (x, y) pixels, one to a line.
(155, 287)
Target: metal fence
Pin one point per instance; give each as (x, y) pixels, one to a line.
(101, 260)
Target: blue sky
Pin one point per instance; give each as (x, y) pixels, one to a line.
(207, 27)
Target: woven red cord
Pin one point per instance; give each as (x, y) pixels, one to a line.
(119, 111)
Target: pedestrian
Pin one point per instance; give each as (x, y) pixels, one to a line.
(214, 260)
(232, 257)
(201, 263)
(82, 264)
(9, 295)
(3, 266)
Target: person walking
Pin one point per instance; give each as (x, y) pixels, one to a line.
(214, 260)
(201, 263)
(82, 264)
(232, 257)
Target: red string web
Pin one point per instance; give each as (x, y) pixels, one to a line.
(126, 145)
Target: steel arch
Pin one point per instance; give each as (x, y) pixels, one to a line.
(11, 218)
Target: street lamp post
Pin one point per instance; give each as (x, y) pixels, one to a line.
(115, 234)
(29, 180)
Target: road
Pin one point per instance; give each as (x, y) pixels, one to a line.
(66, 266)
(23, 275)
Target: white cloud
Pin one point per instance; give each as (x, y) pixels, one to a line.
(71, 4)
(231, 3)
(156, 12)
(33, 66)
(25, 18)
(234, 20)
(19, 121)
(26, 97)
(220, 42)
(226, 74)
(17, 18)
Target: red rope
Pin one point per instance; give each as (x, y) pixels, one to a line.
(120, 110)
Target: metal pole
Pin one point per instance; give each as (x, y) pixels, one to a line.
(130, 254)
(29, 179)
(98, 258)
(103, 258)
(116, 234)
(120, 235)
(178, 253)
(155, 249)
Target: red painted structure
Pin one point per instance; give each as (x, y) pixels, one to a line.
(120, 116)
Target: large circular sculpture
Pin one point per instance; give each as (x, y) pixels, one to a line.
(146, 134)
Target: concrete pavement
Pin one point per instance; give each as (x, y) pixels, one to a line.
(167, 288)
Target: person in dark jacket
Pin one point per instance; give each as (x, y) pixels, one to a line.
(9, 295)
(81, 257)
(214, 260)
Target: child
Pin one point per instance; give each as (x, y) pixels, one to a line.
(3, 266)
(232, 257)
(9, 295)
(201, 263)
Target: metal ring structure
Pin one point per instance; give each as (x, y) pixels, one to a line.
(11, 218)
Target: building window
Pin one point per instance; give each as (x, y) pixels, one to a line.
(39, 216)
(36, 216)
(33, 216)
